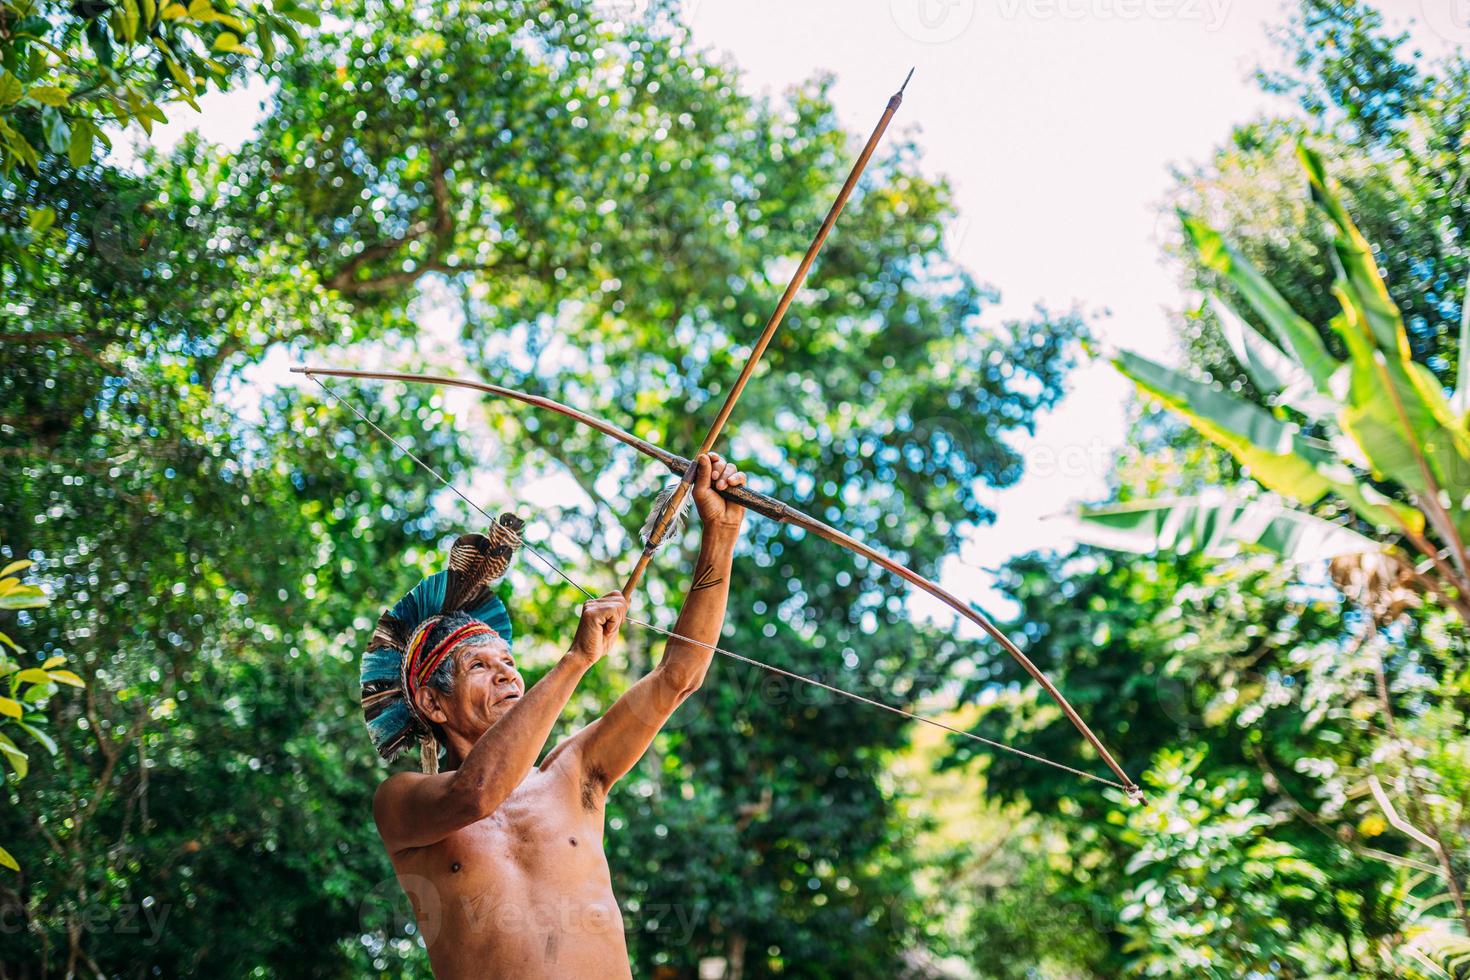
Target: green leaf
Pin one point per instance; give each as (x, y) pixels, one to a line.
(79, 150)
(227, 41)
(56, 129)
(66, 677)
(180, 76)
(1217, 525)
(22, 150)
(1268, 367)
(1398, 412)
(266, 40)
(47, 742)
(18, 760)
(1460, 403)
(11, 89)
(34, 26)
(1274, 450)
(40, 219)
(1295, 333)
(127, 19)
(52, 95)
(18, 565)
(1276, 453)
(33, 675)
(7, 861)
(308, 17)
(23, 597)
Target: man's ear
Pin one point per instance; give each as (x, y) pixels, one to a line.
(427, 700)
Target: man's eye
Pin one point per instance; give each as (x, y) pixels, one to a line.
(476, 664)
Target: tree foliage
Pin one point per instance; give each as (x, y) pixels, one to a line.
(1299, 725)
(521, 192)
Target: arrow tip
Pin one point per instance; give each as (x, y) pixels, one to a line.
(906, 81)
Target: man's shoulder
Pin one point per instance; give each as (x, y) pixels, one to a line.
(391, 790)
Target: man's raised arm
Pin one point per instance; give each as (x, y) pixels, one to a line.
(612, 744)
(415, 809)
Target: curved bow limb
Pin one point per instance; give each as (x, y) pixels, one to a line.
(776, 510)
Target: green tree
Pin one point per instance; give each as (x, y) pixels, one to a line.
(28, 686)
(68, 71)
(597, 213)
(1254, 671)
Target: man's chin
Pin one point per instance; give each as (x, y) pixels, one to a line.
(499, 708)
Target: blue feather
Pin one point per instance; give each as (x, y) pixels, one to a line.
(426, 599)
(381, 665)
(387, 726)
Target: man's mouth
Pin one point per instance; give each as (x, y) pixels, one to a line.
(512, 696)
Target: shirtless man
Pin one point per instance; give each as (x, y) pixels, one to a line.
(503, 858)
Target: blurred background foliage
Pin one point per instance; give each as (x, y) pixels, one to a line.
(522, 192)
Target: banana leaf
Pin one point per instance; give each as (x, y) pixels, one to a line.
(1460, 402)
(1397, 411)
(1278, 455)
(1215, 524)
(1268, 367)
(1295, 333)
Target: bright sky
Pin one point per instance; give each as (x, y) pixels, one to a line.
(1057, 122)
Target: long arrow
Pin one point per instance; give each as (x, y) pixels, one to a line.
(665, 517)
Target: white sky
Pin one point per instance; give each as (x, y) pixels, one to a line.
(1057, 122)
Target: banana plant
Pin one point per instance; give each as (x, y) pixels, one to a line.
(24, 687)
(1375, 434)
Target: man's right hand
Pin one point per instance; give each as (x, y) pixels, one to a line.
(601, 619)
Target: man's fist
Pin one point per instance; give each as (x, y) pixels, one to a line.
(601, 619)
(715, 474)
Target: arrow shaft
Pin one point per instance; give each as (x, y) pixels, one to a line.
(665, 519)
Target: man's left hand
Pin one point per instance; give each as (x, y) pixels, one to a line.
(714, 474)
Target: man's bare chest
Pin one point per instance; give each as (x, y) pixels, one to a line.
(543, 838)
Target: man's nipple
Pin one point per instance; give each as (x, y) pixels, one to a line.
(454, 868)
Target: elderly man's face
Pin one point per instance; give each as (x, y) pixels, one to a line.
(486, 686)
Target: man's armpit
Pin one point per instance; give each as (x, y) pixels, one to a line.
(594, 788)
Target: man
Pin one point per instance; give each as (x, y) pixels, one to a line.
(501, 857)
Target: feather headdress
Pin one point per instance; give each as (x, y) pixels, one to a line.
(476, 563)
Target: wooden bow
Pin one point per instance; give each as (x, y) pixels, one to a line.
(776, 510)
(763, 504)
